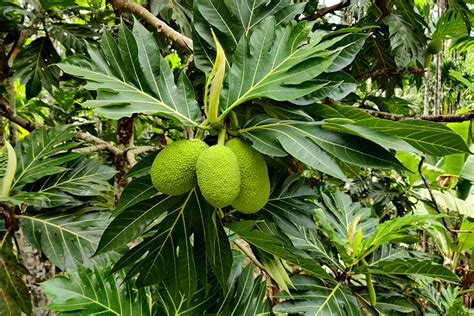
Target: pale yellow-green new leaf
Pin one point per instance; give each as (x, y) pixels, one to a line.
(10, 172)
(214, 83)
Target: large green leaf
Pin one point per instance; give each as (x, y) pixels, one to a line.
(288, 207)
(186, 236)
(277, 62)
(133, 221)
(14, 294)
(243, 295)
(73, 36)
(315, 146)
(411, 267)
(383, 139)
(338, 111)
(137, 190)
(396, 228)
(345, 222)
(313, 297)
(66, 238)
(131, 76)
(336, 85)
(34, 66)
(447, 201)
(291, 209)
(468, 169)
(407, 37)
(431, 138)
(82, 178)
(266, 237)
(42, 153)
(277, 138)
(246, 295)
(428, 137)
(232, 20)
(142, 167)
(389, 302)
(465, 238)
(92, 292)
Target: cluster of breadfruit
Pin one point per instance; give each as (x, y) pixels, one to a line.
(232, 174)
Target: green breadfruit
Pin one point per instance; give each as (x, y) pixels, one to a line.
(435, 46)
(174, 170)
(218, 175)
(254, 180)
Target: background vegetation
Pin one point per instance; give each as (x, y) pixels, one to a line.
(363, 110)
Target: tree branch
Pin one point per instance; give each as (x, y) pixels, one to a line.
(91, 149)
(134, 151)
(389, 72)
(241, 245)
(433, 199)
(160, 26)
(102, 144)
(433, 118)
(7, 112)
(320, 13)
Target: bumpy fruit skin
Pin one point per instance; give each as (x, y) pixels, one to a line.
(218, 175)
(254, 180)
(173, 171)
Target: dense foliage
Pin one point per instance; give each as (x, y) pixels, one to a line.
(361, 110)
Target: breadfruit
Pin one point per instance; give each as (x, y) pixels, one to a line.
(434, 47)
(218, 175)
(173, 171)
(254, 180)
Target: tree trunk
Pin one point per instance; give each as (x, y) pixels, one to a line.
(124, 140)
(40, 270)
(426, 101)
(439, 58)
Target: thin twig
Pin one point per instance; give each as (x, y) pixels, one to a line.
(320, 13)
(389, 72)
(433, 199)
(433, 118)
(249, 254)
(160, 26)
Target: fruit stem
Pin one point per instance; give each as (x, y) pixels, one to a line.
(221, 136)
(201, 128)
(234, 121)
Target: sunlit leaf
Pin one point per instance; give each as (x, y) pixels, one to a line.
(412, 267)
(428, 137)
(131, 76)
(42, 153)
(90, 292)
(313, 297)
(82, 178)
(34, 66)
(315, 146)
(66, 238)
(277, 62)
(233, 20)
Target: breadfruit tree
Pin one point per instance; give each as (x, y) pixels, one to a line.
(231, 157)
